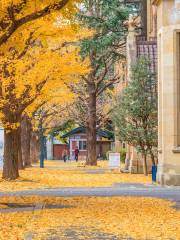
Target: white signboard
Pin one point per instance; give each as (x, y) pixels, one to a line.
(114, 160)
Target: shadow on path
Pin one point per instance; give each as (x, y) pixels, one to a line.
(18, 207)
(75, 233)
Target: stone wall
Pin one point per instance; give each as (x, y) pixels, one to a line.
(169, 90)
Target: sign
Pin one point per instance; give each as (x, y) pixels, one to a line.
(114, 160)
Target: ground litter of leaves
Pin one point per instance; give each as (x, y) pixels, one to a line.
(58, 174)
(115, 218)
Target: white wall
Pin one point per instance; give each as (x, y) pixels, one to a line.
(49, 148)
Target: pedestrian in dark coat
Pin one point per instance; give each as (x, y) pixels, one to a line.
(76, 153)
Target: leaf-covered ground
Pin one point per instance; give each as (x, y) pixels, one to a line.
(75, 218)
(59, 174)
(92, 218)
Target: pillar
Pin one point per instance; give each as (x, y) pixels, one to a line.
(169, 91)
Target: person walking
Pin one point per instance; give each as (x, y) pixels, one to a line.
(65, 155)
(76, 152)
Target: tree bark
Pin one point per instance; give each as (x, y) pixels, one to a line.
(145, 164)
(10, 166)
(45, 148)
(91, 128)
(33, 148)
(25, 140)
(38, 148)
(20, 160)
(153, 158)
(127, 160)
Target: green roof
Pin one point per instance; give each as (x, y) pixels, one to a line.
(100, 132)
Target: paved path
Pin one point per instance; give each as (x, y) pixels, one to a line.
(119, 189)
(146, 190)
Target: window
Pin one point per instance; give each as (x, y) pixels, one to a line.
(82, 145)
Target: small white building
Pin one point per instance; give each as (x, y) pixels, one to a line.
(55, 148)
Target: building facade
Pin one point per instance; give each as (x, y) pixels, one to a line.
(159, 39)
(55, 148)
(168, 35)
(78, 139)
(141, 42)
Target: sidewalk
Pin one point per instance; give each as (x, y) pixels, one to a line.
(71, 202)
(88, 218)
(118, 189)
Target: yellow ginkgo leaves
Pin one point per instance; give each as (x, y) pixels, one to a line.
(114, 218)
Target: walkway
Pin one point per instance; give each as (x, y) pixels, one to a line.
(74, 220)
(126, 189)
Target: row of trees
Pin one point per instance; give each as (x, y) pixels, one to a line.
(37, 60)
(49, 60)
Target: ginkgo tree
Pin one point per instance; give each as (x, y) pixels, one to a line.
(47, 116)
(47, 112)
(38, 61)
(15, 14)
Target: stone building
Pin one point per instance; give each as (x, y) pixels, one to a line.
(168, 35)
(160, 24)
(141, 41)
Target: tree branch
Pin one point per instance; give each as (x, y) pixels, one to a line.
(31, 17)
(107, 85)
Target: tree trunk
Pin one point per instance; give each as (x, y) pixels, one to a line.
(45, 148)
(127, 160)
(37, 148)
(153, 158)
(33, 148)
(145, 164)
(91, 128)
(26, 137)
(20, 160)
(10, 167)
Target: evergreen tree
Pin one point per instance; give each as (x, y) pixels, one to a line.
(106, 47)
(135, 113)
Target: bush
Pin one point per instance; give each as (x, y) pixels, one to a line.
(104, 156)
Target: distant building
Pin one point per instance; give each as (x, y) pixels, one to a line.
(55, 148)
(78, 138)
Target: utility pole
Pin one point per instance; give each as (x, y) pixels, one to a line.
(45, 147)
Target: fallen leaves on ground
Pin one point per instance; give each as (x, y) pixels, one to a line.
(138, 218)
(58, 174)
